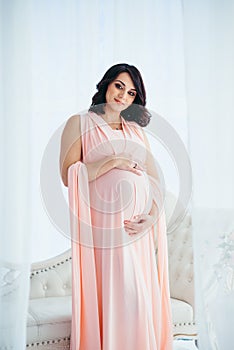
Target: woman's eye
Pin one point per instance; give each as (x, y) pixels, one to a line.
(132, 93)
(118, 86)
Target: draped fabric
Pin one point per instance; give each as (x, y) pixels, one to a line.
(120, 292)
(84, 292)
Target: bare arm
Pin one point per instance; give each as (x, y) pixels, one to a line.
(100, 167)
(71, 152)
(70, 148)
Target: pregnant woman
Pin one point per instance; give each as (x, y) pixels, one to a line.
(120, 291)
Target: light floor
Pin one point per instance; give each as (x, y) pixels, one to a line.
(184, 345)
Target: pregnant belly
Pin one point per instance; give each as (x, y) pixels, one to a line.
(120, 192)
(114, 197)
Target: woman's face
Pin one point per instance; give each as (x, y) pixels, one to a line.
(121, 92)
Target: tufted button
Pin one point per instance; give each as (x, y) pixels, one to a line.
(45, 287)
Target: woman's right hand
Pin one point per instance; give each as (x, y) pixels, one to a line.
(123, 162)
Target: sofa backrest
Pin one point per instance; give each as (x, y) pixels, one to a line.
(53, 277)
(180, 252)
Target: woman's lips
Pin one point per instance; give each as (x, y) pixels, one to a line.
(118, 101)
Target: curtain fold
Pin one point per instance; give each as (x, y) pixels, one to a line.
(209, 56)
(15, 231)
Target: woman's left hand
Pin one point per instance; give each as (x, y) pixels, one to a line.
(140, 223)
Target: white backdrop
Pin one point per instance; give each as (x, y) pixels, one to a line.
(77, 43)
(209, 56)
(52, 55)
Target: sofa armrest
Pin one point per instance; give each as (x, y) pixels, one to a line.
(52, 277)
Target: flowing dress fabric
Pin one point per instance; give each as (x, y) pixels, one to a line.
(120, 292)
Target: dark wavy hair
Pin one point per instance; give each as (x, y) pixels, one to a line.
(136, 111)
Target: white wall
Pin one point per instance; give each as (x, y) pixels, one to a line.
(73, 44)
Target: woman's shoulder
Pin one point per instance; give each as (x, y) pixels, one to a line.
(72, 124)
(76, 117)
(80, 120)
(73, 119)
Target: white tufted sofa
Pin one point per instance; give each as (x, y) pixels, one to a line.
(49, 311)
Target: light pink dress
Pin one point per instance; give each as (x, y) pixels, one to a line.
(120, 293)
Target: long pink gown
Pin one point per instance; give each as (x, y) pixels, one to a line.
(120, 292)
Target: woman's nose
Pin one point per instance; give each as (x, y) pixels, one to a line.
(123, 94)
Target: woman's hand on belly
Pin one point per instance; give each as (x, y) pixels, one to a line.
(124, 163)
(139, 224)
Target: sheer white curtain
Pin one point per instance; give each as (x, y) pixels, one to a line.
(77, 43)
(15, 175)
(209, 53)
(52, 55)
